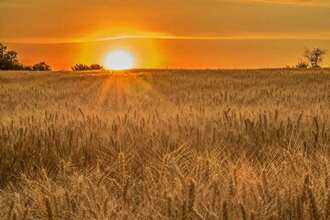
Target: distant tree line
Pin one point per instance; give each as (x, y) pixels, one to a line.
(312, 58)
(84, 67)
(9, 61)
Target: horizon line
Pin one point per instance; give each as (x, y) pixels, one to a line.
(181, 68)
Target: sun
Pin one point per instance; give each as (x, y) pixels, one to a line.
(119, 60)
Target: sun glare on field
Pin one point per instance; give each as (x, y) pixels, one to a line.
(119, 60)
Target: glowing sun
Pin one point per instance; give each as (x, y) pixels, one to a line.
(119, 60)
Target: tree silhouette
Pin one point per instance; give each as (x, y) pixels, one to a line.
(84, 67)
(3, 49)
(9, 61)
(96, 67)
(80, 67)
(11, 57)
(302, 64)
(41, 67)
(315, 56)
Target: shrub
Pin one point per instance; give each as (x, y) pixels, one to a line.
(302, 65)
(84, 67)
(41, 67)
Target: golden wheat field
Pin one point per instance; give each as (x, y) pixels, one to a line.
(240, 144)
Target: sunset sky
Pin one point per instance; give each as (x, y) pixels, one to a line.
(166, 33)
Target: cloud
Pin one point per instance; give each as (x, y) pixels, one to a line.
(76, 20)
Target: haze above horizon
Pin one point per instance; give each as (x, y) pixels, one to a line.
(166, 33)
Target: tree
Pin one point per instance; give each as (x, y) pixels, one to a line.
(28, 68)
(315, 56)
(80, 67)
(84, 67)
(41, 67)
(9, 61)
(96, 67)
(3, 50)
(11, 57)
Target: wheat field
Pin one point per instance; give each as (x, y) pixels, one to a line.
(234, 144)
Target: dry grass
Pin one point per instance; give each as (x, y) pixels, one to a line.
(167, 145)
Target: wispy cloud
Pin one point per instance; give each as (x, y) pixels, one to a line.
(96, 20)
(34, 3)
(158, 36)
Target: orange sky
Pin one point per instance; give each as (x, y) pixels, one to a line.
(166, 33)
